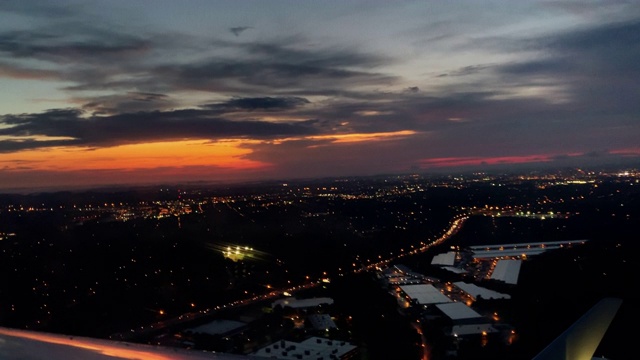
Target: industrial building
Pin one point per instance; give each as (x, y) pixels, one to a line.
(464, 320)
(315, 348)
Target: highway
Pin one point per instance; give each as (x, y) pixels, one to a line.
(144, 332)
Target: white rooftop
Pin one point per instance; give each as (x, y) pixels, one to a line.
(484, 254)
(507, 271)
(425, 294)
(458, 311)
(469, 329)
(475, 291)
(454, 269)
(447, 258)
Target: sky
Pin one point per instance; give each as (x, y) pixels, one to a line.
(144, 92)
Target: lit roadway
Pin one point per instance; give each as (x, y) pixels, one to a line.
(423, 340)
(454, 226)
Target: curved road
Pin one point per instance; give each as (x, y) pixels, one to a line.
(144, 331)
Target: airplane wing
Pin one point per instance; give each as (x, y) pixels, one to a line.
(578, 342)
(33, 345)
(582, 338)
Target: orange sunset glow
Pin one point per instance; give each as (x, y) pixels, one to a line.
(353, 137)
(226, 154)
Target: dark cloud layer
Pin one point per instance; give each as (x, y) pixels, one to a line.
(91, 47)
(95, 58)
(571, 92)
(606, 51)
(596, 67)
(128, 102)
(137, 127)
(265, 74)
(260, 103)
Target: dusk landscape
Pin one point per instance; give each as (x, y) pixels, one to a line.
(328, 179)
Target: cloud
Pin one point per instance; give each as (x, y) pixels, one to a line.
(23, 73)
(88, 56)
(128, 128)
(128, 102)
(38, 9)
(296, 51)
(266, 74)
(93, 46)
(559, 93)
(601, 52)
(564, 88)
(239, 29)
(103, 60)
(466, 70)
(260, 103)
